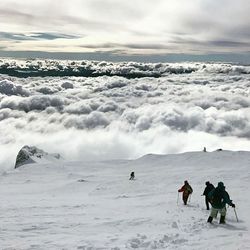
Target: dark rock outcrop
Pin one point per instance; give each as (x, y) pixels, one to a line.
(33, 154)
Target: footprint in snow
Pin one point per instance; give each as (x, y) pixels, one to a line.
(81, 180)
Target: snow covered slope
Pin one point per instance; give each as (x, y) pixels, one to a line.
(93, 205)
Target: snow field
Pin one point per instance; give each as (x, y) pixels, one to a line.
(93, 205)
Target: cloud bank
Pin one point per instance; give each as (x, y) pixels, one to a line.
(119, 117)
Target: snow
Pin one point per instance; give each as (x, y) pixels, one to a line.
(94, 205)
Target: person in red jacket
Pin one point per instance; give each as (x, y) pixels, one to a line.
(186, 189)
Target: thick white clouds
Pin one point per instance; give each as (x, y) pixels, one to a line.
(8, 88)
(139, 26)
(116, 117)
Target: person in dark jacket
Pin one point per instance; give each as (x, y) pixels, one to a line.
(219, 198)
(186, 190)
(208, 189)
(132, 176)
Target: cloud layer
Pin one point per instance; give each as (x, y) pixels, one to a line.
(116, 117)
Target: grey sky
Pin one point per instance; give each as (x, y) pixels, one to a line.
(132, 28)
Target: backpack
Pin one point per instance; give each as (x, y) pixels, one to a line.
(217, 197)
(189, 189)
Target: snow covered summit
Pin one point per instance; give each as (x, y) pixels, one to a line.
(33, 154)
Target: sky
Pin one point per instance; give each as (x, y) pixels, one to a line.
(125, 30)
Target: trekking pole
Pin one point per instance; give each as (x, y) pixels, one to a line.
(178, 199)
(236, 215)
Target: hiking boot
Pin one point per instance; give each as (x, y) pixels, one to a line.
(210, 219)
(222, 220)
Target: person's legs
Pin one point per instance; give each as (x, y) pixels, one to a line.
(223, 212)
(207, 203)
(212, 215)
(185, 199)
(210, 219)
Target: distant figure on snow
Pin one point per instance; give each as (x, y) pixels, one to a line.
(219, 198)
(204, 149)
(132, 176)
(187, 190)
(209, 187)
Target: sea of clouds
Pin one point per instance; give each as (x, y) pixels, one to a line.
(118, 116)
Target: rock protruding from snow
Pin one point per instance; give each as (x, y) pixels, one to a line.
(33, 154)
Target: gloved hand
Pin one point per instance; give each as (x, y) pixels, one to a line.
(233, 205)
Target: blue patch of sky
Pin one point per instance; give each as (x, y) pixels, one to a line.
(33, 36)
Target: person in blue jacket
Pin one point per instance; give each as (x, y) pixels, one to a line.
(219, 198)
